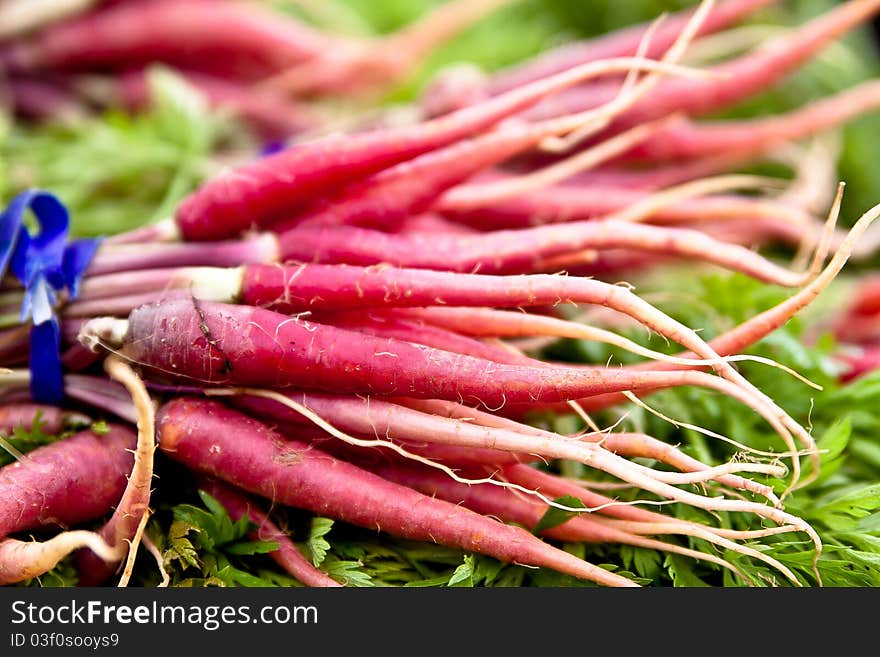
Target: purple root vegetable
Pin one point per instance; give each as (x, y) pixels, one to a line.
(219, 442)
(60, 485)
(270, 189)
(513, 507)
(519, 251)
(735, 80)
(621, 43)
(688, 140)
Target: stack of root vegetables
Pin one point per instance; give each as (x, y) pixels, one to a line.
(332, 327)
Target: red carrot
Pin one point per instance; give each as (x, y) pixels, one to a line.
(262, 192)
(242, 345)
(512, 507)
(216, 37)
(223, 443)
(754, 137)
(562, 203)
(860, 363)
(620, 43)
(737, 79)
(518, 251)
(67, 482)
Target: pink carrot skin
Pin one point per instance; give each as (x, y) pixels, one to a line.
(518, 251)
(553, 486)
(267, 190)
(738, 79)
(374, 419)
(659, 176)
(67, 482)
(52, 420)
(407, 420)
(219, 37)
(226, 253)
(754, 137)
(225, 444)
(754, 72)
(377, 419)
(421, 333)
(451, 455)
(386, 199)
(297, 288)
(511, 507)
(286, 555)
(563, 203)
(430, 222)
(247, 346)
(622, 42)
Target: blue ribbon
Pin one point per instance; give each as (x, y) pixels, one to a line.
(47, 265)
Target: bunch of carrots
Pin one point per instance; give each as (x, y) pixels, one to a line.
(333, 327)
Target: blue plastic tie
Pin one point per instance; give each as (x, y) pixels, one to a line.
(47, 265)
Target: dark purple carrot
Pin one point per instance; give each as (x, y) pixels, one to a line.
(286, 555)
(219, 442)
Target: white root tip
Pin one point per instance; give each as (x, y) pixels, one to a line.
(222, 284)
(103, 331)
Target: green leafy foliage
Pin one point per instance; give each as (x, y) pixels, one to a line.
(23, 440)
(555, 516)
(203, 546)
(119, 171)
